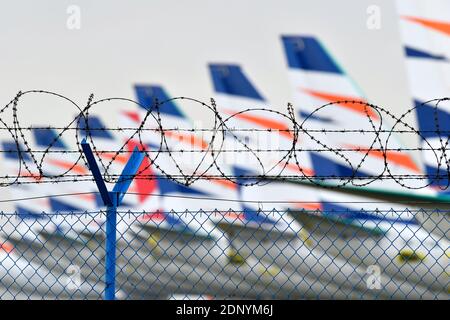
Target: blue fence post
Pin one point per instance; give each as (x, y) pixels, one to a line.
(112, 200)
(110, 261)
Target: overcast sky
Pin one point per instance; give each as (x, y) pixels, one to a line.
(170, 42)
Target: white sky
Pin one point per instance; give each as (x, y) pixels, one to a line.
(170, 42)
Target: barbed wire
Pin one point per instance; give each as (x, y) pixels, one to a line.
(225, 199)
(31, 164)
(211, 212)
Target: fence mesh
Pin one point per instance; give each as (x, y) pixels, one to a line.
(225, 254)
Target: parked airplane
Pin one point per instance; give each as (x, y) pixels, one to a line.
(262, 136)
(202, 219)
(309, 63)
(34, 280)
(426, 40)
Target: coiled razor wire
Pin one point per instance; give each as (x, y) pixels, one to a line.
(298, 131)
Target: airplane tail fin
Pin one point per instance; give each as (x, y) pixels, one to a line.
(95, 127)
(317, 79)
(327, 98)
(307, 53)
(15, 151)
(48, 137)
(425, 32)
(28, 214)
(230, 80)
(147, 96)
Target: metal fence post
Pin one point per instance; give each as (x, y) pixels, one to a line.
(110, 261)
(112, 200)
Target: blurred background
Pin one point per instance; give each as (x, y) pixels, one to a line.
(75, 48)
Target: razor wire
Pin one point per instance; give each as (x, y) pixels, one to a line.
(215, 147)
(213, 254)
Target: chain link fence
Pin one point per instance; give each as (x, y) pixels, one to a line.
(224, 254)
